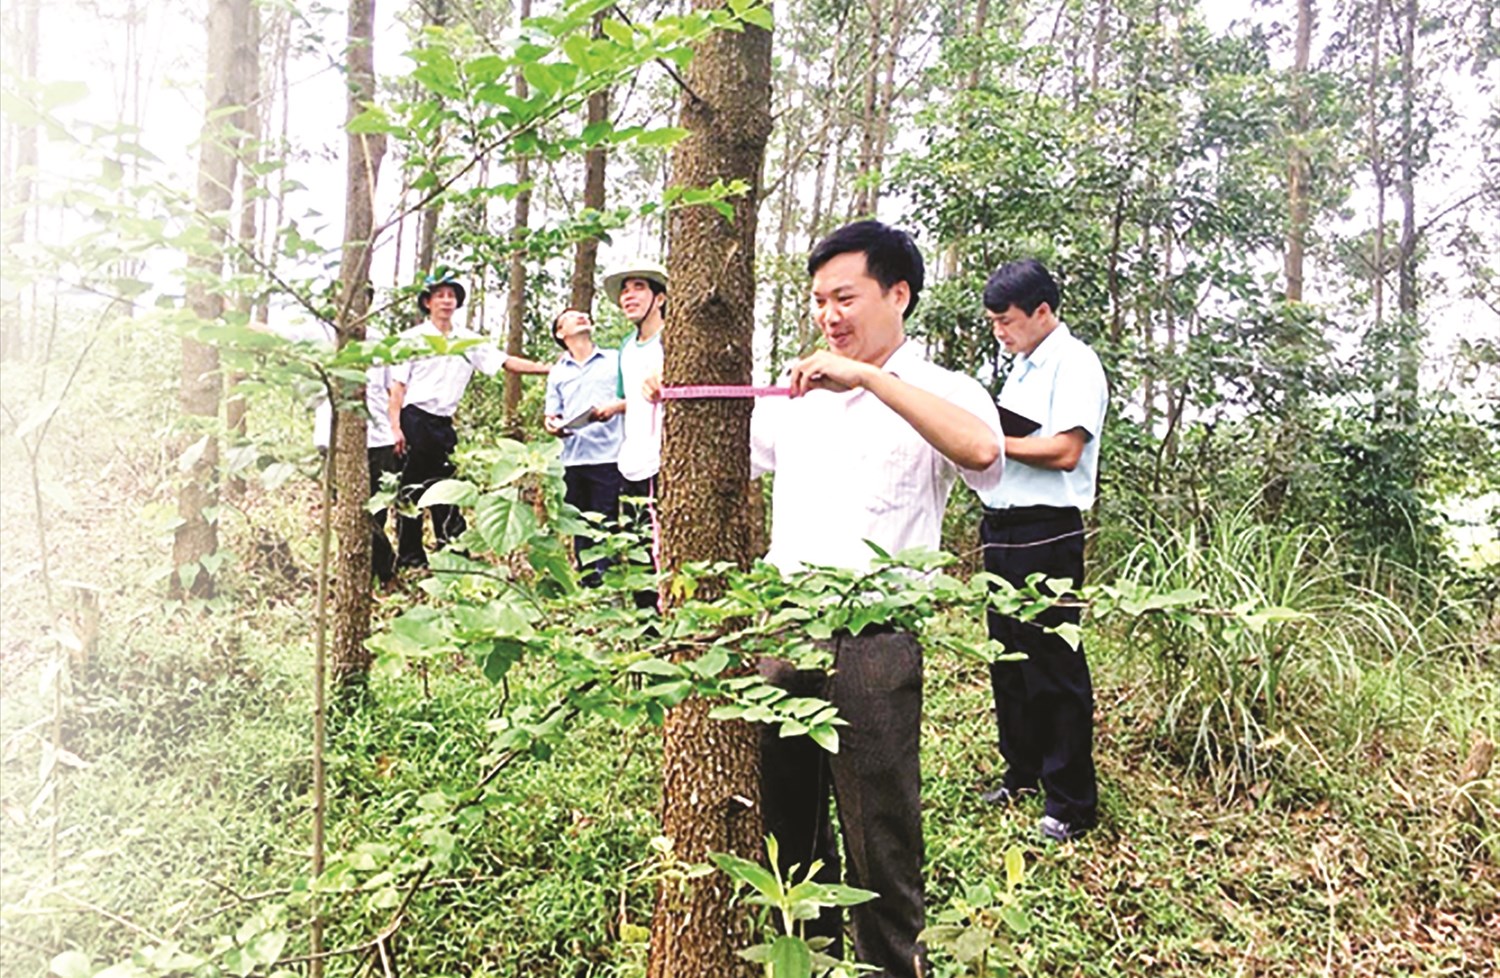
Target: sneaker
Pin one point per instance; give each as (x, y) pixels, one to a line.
(1004, 797)
(1056, 830)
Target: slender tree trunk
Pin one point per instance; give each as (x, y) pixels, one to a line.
(21, 161)
(1409, 348)
(862, 204)
(427, 220)
(1296, 186)
(595, 164)
(515, 300)
(708, 767)
(1377, 167)
(351, 596)
(197, 534)
(247, 88)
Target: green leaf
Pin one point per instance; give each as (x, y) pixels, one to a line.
(504, 520)
(72, 964)
(826, 738)
(58, 94)
(1015, 867)
(448, 492)
(759, 16)
(372, 120)
(790, 958)
(665, 136)
(751, 874)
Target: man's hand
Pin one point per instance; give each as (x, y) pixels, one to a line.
(606, 411)
(553, 424)
(400, 439)
(652, 388)
(829, 371)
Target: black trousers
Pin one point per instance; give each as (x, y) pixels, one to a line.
(593, 488)
(1044, 705)
(641, 517)
(876, 779)
(430, 440)
(382, 556)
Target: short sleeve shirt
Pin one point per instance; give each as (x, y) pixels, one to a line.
(573, 388)
(850, 469)
(1061, 386)
(436, 383)
(640, 450)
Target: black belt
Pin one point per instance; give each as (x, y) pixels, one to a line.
(1021, 515)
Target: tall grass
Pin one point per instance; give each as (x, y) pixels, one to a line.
(1353, 673)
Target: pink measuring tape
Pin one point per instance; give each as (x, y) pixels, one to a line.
(686, 392)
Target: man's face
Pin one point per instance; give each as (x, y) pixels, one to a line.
(573, 322)
(442, 301)
(858, 319)
(636, 299)
(1018, 332)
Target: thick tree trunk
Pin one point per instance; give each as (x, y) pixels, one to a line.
(515, 300)
(427, 220)
(197, 535)
(351, 596)
(710, 766)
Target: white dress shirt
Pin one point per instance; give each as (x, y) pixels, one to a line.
(850, 469)
(1061, 386)
(436, 383)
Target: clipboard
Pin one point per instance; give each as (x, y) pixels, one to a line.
(586, 416)
(1017, 425)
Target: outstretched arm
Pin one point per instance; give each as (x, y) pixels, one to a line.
(521, 365)
(960, 436)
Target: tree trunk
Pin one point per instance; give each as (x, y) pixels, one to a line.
(515, 300)
(1409, 345)
(1377, 168)
(351, 596)
(863, 202)
(427, 220)
(595, 163)
(197, 534)
(709, 766)
(21, 161)
(246, 70)
(1296, 185)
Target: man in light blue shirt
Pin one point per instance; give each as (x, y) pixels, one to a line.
(582, 409)
(1052, 412)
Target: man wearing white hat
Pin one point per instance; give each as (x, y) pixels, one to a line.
(639, 287)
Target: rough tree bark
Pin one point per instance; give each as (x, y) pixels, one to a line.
(201, 387)
(1410, 333)
(427, 221)
(710, 768)
(351, 596)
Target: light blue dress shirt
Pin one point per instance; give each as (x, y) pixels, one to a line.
(1061, 386)
(572, 388)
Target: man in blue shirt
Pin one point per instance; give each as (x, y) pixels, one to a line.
(582, 408)
(1051, 411)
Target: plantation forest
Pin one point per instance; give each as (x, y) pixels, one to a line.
(226, 749)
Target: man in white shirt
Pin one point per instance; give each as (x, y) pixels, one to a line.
(867, 448)
(639, 287)
(425, 392)
(1052, 409)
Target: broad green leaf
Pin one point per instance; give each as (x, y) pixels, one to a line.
(665, 136)
(790, 958)
(504, 521)
(448, 492)
(751, 874)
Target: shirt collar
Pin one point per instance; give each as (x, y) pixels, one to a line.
(1050, 346)
(903, 357)
(598, 352)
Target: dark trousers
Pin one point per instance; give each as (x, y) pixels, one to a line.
(641, 517)
(430, 440)
(382, 557)
(876, 779)
(1044, 705)
(593, 488)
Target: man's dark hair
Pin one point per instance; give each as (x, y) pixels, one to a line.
(891, 256)
(1025, 284)
(556, 322)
